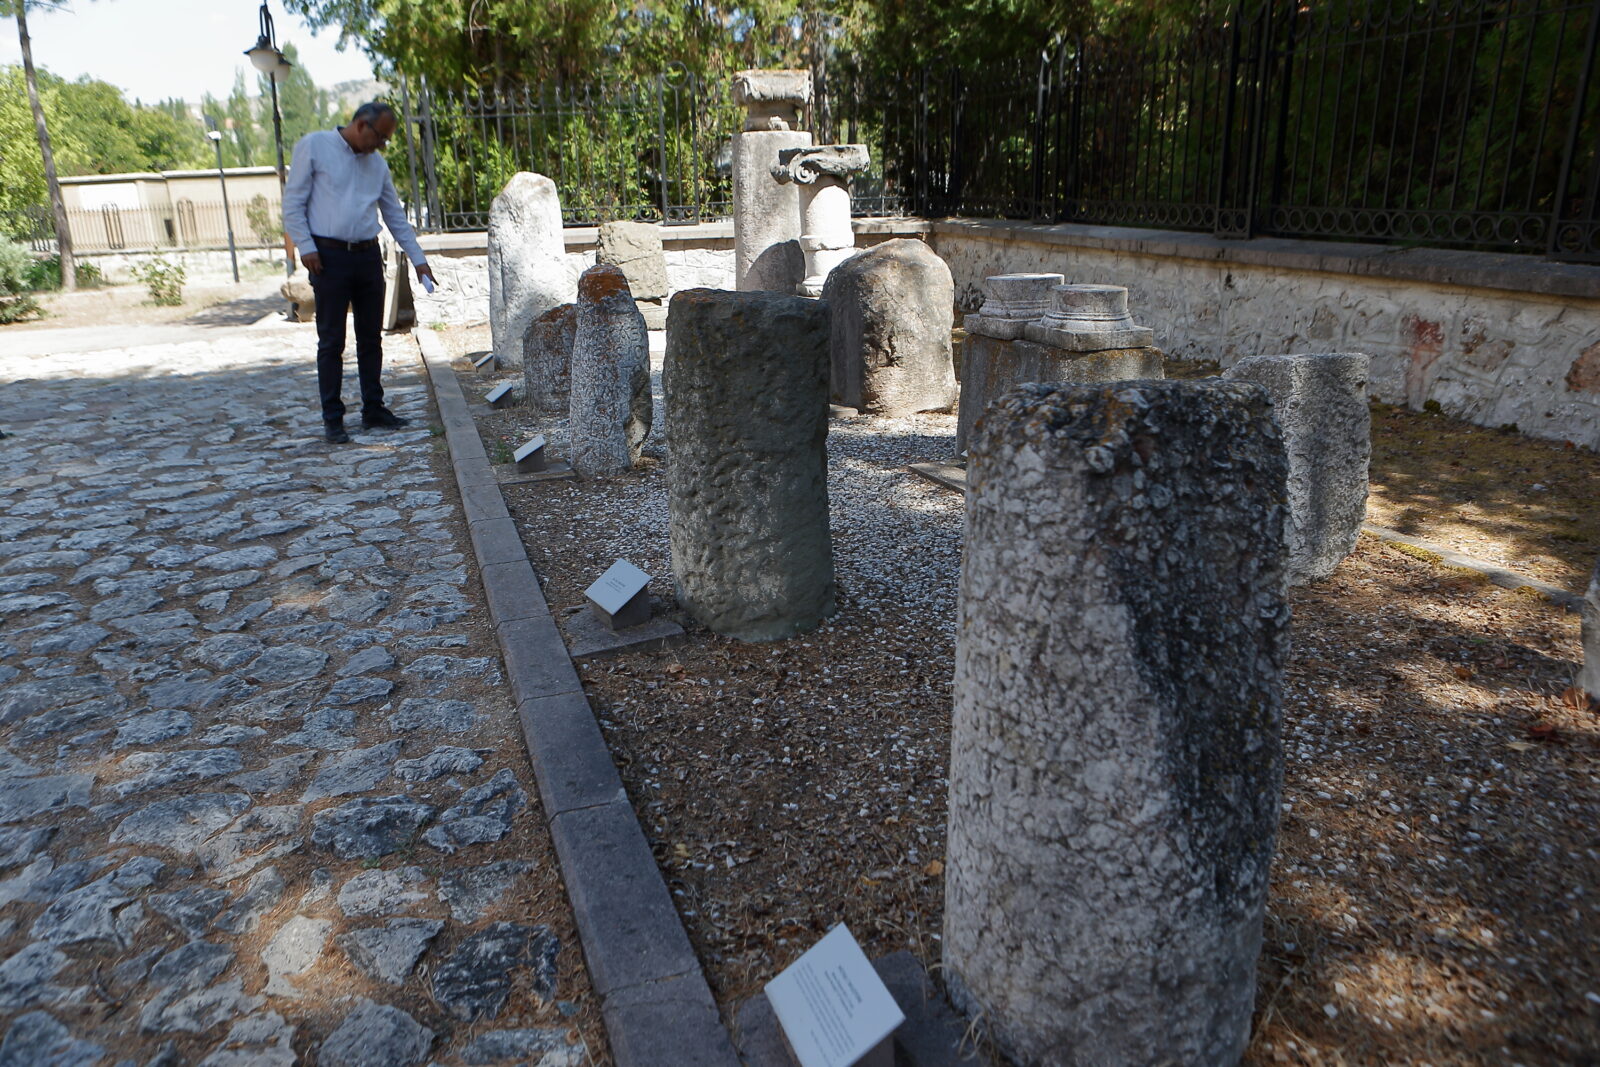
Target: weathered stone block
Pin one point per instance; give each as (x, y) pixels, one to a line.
(636, 248)
(547, 358)
(991, 367)
(746, 384)
(528, 272)
(1116, 754)
(610, 406)
(302, 299)
(890, 312)
(1320, 402)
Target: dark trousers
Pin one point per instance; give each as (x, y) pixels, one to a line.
(350, 281)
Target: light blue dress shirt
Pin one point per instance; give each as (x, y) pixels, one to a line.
(338, 192)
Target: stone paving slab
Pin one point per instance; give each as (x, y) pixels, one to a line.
(263, 795)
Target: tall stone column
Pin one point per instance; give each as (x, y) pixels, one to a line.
(746, 383)
(822, 174)
(766, 215)
(1320, 402)
(528, 272)
(1116, 752)
(609, 404)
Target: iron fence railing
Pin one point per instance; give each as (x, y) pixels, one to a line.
(1456, 123)
(1453, 123)
(257, 223)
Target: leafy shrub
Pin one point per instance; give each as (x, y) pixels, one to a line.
(164, 279)
(16, 301)
(44, 274)
(263, 220)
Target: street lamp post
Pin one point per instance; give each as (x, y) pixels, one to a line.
(267, 59)
(227, 216)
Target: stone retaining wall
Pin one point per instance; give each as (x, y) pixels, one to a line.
(1492, 339)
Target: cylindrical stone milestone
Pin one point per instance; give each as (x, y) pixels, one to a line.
(1116, 751)
(890, 309)
(547, 358)
(1321, 404)
(746, 383)
(609, 409)
(528, 272)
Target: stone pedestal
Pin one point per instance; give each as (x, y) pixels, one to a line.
(1089, 318)
(1589, 680)
(547, 358)
(991, 367)
(890, 312)
(766, 216)
(822, 175)
(1320, 402)
(609, 408)
(528, 272)
(746, 382)
(1011, 301)
(1116, 750)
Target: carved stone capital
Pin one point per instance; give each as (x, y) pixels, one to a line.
(805, 165)
(772, 99)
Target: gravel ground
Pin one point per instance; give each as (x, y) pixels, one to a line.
(1433, 899)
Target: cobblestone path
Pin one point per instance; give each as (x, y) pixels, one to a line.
(262, 795)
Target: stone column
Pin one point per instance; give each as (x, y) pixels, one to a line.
(547, 359)
(1030, 330)
(766, 215)
(889, 311)
(746, 383)
(528, 272)
(1320, 402)
(609, 409)
(822, 175)
(1589, 681)
(1116, 748)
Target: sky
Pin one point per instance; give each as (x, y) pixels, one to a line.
(155, 49)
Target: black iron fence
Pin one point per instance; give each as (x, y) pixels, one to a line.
(1470, 123)
(1456, 123)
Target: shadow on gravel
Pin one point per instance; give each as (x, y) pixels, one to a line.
(237, 312)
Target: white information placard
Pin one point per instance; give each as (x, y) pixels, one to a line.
(499, 392)
(529, 447)
(617, 586)
(833, 1007)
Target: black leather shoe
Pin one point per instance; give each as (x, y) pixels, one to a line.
(383, 419)
(334, 432)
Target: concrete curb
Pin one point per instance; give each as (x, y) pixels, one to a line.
(1498, 575)
(654, 997)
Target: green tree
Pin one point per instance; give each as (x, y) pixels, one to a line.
(58, 208)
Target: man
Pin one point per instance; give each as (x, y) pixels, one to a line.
(338, 185)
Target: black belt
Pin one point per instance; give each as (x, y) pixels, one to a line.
(348, 246)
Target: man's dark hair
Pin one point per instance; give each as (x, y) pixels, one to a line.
(372, 112)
